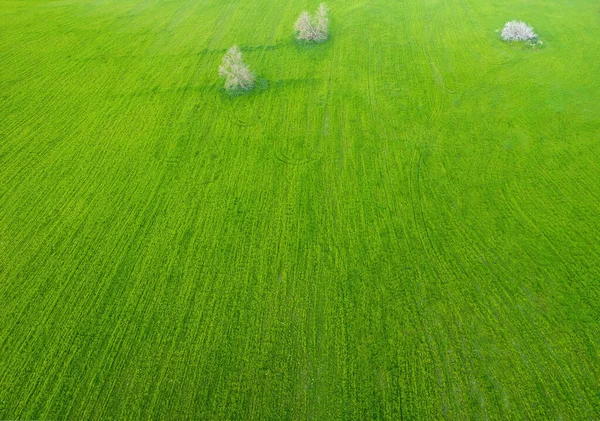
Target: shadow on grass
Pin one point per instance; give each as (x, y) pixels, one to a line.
(317, 50)
(245, 48)
(263, 85)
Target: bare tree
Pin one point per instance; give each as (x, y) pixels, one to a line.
(237, 75)
(322, 22)
(313, 28)
(303, 28)
(518, 31)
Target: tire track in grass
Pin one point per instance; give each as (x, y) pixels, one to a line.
(479, 49)
(188, 294)
(571, 272)
(289, 159)
(418, 213)
(147, 391)
(383, 135)
(560, 202)
(134, 310)
(525, 317)
(534, 327)
(518, 211)
(41, 246)
(560, 159)
(232, 359)
(298, 150)
(434, 39)
(415, 164)
(414, 187)
(218, 35)
(40, 327)
(417, 191)
(385, 132)
(475, 391)
(125, 268)
(352, 391)
(514, 297)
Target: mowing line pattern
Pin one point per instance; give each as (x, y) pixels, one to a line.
(399, 223)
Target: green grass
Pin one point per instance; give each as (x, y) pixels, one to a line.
(401, 223)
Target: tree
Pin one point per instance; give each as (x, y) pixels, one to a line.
(237, 75)
(313, 28)
(518, 31)
(322, 22)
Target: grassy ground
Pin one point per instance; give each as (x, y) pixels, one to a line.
(401, 223)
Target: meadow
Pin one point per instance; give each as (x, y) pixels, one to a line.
(400, 223)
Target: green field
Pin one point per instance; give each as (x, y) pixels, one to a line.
(400, 223)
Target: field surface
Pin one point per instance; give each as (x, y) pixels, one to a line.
(401, 223)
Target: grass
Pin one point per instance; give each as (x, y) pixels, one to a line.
(400, 223)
